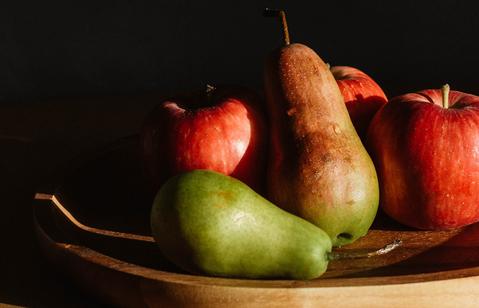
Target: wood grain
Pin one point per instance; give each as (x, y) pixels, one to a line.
(106, 190)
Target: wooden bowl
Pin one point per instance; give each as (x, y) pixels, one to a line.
(107, 190)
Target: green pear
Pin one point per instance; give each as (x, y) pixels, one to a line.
(209, 223)
(318, 167)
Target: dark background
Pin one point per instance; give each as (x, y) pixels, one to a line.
(63, 48)
(73, 75)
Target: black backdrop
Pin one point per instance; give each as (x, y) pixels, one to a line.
(80, 48)
(70, 48)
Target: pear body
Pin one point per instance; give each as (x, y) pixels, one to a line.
(209, 223)
(318, 167)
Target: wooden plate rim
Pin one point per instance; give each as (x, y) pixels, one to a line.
(89, 255)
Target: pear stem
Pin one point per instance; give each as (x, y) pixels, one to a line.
(445, 96)
(336, 255)
(282, 15)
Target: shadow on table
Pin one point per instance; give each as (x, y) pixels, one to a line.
(26, 278)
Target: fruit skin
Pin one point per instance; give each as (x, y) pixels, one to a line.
(209, 223)
(362, 95)
(318, 168)
(427, 159)
(222, 130)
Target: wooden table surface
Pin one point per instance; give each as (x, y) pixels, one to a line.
(35, 139)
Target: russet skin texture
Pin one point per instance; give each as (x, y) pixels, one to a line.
(318, 168)
(362, 95)
(228, 136)
(427, 158)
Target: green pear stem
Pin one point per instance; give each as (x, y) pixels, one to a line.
(445, 96)
(340, 255)
(282, 15)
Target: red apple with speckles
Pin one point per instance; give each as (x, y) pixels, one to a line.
(362, 95)
(221, 129)
(426, 150)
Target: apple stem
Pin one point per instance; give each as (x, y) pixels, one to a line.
(210, 88)
(445, 96)
(339, 255)
(209, 91)
(281, 14)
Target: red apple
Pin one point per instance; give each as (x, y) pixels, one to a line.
(426, 149)
(362, 95)
(222, 130)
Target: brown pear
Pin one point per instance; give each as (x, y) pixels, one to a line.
(318, 167)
